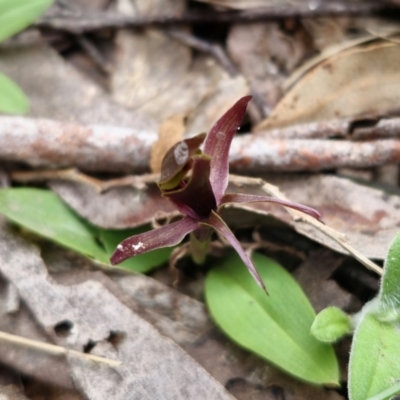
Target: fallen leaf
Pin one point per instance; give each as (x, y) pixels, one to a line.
(152, 366)
(358, 81)
(315, 277)
(11, 392)
(117, 208)
(265, 54)
(170, 132)
(53, 96)
(369, 226)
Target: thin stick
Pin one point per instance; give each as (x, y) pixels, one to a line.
(78, 22)
(53, 349)
(298, 216)
(73, 175)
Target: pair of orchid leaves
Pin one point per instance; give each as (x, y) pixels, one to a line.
(201, 196)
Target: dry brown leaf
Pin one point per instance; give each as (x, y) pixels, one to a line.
(358, 81)
(314, 276)
(219, 98)
(157, 76)
(154, 73)
(170, 132)
(186, 321)
(118, 208)
(11, 392)
(263, 53)
(153, 367)
(58, 91)
(369, 218)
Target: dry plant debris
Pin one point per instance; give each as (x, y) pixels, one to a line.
(112, 86)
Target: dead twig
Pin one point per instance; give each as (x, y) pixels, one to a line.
(374, 127)
(94, 53)
(53, 349)
(299, 217)
(51, 144)
(79, 23)
(45, 143)
(72, 174)
(253, 153)
(213, 49)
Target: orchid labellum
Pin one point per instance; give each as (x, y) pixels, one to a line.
(201, 195)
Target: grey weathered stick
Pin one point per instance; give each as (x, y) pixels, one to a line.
(79, 22)
(348, 127)
(252, 153)
(51, 144)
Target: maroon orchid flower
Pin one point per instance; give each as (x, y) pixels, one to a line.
(201, 196)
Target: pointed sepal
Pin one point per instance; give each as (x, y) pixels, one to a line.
(216, 222)
(166, 236)
(250, 198)
(218, 143)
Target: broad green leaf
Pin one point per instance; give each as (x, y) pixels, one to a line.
(44, 213)
(276, 327)
(389, 294)
(330, 325)
(16, 15)
(374, 358)
(12, 98)
(142, 263)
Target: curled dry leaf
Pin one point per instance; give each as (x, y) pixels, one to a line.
(358, 81)
(170, 132)
(368, 226)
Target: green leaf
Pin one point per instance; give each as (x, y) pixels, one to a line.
(389, 294)
(330, 325)
(374, 358)
(276, 327)
(44, 213)
(142, 263)
(388, 393)
(12, 98)
(16, 15)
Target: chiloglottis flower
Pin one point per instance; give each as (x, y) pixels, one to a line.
(201, 195)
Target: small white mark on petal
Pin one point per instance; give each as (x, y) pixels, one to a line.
(120, 247)
(138, 246)
(220, 135)
(181, 153)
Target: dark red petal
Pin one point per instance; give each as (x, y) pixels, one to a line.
(218, 143)
(166, 236)
(220, 226)
(250, 198)
(197, 194)
(176, 159)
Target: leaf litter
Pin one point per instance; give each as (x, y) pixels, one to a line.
(154, 78)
